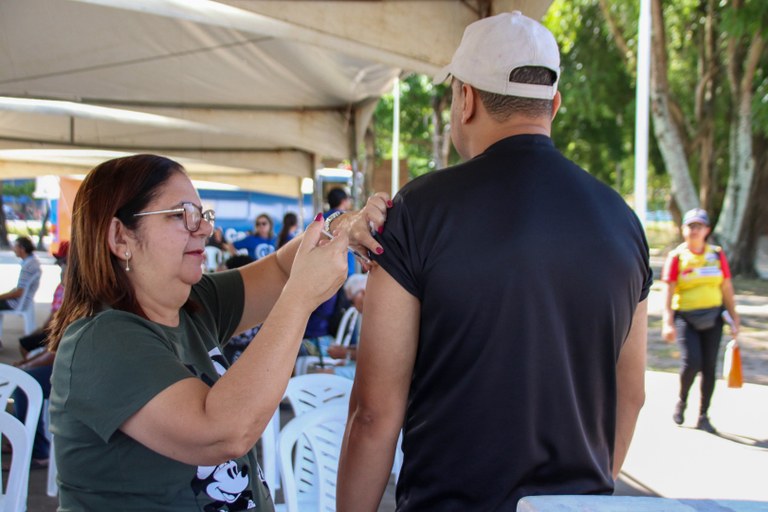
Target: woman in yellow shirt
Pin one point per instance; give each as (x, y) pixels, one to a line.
(698, 286)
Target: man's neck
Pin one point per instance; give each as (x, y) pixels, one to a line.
(498, 131)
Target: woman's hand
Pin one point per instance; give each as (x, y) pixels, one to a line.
(668, 331)
(320, 266)
(734, 323)
(359, 226)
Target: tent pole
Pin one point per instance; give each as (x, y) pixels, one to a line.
(396, 138)
(642, 109)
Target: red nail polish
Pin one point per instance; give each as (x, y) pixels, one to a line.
(390, 203)
(379, 250)
(318, 217)
(381, 229)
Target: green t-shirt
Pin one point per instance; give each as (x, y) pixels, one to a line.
(107, 368)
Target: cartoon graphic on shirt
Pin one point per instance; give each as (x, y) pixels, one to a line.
(228, 484)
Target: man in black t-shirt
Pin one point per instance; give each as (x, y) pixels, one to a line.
(505, 329)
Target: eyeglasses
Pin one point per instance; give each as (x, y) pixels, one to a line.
(193, 214)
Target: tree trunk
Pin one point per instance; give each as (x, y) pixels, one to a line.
(44, 226)
(744, 257)
(668, 131)
(441, 136)
(738, 192)
(704, 109)
(4, 243)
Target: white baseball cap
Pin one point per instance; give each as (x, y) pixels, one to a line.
(492, 47)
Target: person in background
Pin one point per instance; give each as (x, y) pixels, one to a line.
(146, 411)
(338, 203)
(29, 276)
(318, 335)
(38, 363)
(505, 326)
(261, 242)
(289, 229)
(217, 240)
(237, 344)
(697, 287)
(354, 289)
(38, 338)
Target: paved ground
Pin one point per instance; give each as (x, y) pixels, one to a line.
(664, 460)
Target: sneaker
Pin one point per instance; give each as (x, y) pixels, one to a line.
(678, 416)
(705, 425)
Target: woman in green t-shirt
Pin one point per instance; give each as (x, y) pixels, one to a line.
(146, 413)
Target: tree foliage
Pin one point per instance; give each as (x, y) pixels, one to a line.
(418, 96)
(709, 107)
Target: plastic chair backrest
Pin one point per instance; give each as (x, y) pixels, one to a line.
(315, 390)
(213, 258)
(26, 307)
(316, 436)
(14, 496)
(346, 327)
(10, 379)
(305, 393)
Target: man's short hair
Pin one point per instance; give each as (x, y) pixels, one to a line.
(501, 107)
(335, 197)
(26, 243)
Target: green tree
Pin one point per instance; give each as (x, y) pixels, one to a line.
(424, 125)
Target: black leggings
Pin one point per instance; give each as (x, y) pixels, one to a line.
(699, 351)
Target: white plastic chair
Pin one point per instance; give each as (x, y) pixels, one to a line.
(14, 496)
(343, 337)
(26, 308)
(347, 327)
(213, 258)
(315, 390)
(304, 393)
(10, 379)
(309, 472)
(52, 487)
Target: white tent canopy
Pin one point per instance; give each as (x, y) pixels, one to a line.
(253, 93)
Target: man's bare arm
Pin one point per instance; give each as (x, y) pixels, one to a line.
(630, 382)
(385, 358)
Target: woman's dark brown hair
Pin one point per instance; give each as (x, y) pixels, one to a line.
(95, 277)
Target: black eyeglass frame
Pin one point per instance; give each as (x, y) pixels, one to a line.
(189, 210)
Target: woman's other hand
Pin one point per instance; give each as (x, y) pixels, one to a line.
(360, 226)
(320, 266)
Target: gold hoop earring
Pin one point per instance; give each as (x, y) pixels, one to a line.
(127, 261)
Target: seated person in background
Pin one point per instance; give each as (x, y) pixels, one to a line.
(261, 242)
(37, 338)
(217, 240)
(339, 202)
(289, 230)
(317, 335)
(38, 362)
(29, 277)
(238, 343)
(354, 288)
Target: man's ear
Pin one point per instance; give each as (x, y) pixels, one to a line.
(469, 103)
(120, 240)
(556, 104)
